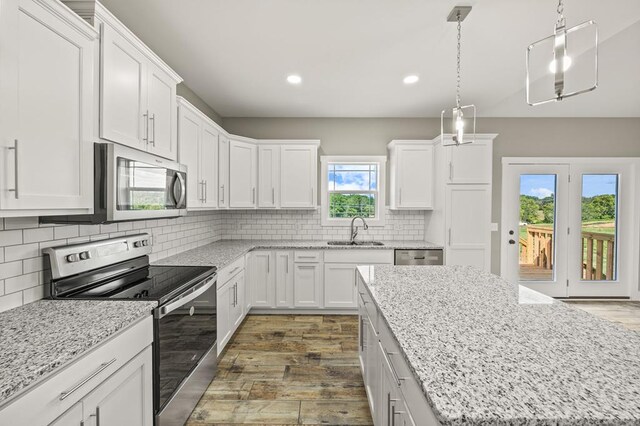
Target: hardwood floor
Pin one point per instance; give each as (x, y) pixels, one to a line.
(286, 370)
(625, 313)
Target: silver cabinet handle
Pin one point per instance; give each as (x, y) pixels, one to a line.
(201, 185)
(312, 203)
(64, 395)
(146, 127)
(400, 200)
(204, 190)
(222, 187)
(449, 236)
(399, 379)
(287, 264)
(253, 196)
(450, 170)
(152, 118)
(269, 265)
(15, 169)
(234, 270)
(97, 416)
(273, 196)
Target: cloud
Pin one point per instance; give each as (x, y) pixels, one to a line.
(540, 192)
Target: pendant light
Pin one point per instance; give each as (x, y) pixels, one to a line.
(554, 51)
(462, 121)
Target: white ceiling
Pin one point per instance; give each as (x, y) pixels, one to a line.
(353, 54)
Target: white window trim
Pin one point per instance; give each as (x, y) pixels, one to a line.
(324, 189)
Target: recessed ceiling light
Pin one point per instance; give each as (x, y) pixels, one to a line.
(294, 79)
(411, 79)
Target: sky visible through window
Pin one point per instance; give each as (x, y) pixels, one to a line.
(541, 186)
(353, 177)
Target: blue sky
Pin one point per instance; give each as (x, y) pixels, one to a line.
(351, 180)
(544, 185)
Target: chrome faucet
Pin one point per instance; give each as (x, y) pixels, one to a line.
(354, 231)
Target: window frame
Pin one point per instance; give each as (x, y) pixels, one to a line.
(379, 160)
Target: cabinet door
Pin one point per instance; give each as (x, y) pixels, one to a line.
(298, 176)
(340, 286)
(307, 285)
(362, 337)
(209, 165)
(389, 394)
(238, 306)
(470, 163)
(242, 174)
(469, 233)
(46, 98)
(123, 96)
(189, 155)
(161, 105)
(224, 302)
(262, 276)
(415, 177)
(268, 176)
(223, 172)
(284, 279)
(124, 398)
(372, 374)
(71, 417)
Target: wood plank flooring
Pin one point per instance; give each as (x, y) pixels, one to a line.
(287, 370)
(623, 312)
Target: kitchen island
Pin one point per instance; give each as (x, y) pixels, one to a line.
(483, 352)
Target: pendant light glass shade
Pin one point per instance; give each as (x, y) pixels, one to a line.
(458, 124)
(564, 64)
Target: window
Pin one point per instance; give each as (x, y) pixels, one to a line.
(352, 186)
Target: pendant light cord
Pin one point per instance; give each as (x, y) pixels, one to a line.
(458, 63)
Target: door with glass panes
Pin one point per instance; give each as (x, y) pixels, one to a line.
(564, 227)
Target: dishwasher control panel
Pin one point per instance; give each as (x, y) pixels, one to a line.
(419, 257)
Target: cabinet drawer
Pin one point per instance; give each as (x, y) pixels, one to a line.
(370, 307)
(43, 403)
(228, 272)
(359, 256)
(307, 256)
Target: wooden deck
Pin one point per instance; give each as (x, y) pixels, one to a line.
(535, 273)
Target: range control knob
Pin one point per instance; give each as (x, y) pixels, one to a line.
(85, 255)
(72, 258)
(145, 243)
(137, 244)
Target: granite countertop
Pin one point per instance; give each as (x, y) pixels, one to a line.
(486, 353)
(42, 336)
(224, 252)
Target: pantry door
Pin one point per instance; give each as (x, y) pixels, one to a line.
(535, 227)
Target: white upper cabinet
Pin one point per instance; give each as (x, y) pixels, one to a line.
(47, 96)
(268, 176)
(137, 89)
(299, 175)
(412, 175)
(243, 159)
(223, 171)
(198, 150)
(470, 163)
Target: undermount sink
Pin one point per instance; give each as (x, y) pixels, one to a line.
(355, 243)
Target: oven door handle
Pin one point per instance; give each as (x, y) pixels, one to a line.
(179, 190)
(186, 298)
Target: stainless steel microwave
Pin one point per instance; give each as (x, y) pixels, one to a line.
(132, 185)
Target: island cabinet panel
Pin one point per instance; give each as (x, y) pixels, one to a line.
(395, 396)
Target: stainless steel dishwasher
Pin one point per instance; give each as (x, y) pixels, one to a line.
(419, 257)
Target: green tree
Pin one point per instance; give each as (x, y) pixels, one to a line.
(529, 209)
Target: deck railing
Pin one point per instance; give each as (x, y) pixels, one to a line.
(598, 252)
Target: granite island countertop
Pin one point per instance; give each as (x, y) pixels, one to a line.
(224, 252)
(40, 337)
(487, 353)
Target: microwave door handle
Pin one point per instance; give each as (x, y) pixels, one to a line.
(179, 199)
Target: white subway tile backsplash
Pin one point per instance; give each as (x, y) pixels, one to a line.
(69, 231)
(10, 238)
(24, 251)
(37, 234)
(10, 301)
(10, 269)
(22, 282)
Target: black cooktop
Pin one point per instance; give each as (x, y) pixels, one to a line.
(158, 283)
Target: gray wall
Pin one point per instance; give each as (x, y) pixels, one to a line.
(184, 91)
(518, 137)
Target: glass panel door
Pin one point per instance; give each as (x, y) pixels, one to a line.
(535, 232)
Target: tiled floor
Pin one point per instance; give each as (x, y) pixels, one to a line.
(625, 313)
(287, 370)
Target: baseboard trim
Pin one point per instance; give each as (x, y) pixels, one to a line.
(292, 311)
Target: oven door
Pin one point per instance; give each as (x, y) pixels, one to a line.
(143, 186)
(185, 352)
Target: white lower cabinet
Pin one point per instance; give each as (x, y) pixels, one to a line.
(231, 307)
(111, 385)
(340, 286)
(262, 279)
(395, 397)
(307, 285)
(284, 279)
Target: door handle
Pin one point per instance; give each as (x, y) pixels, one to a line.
(152, 119)
(15, 169)
(146, 127)
(512, 241)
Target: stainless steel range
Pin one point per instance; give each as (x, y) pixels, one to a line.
(184, 352)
